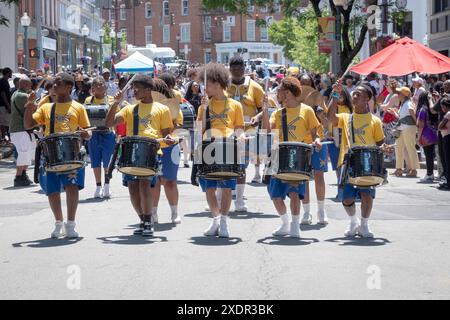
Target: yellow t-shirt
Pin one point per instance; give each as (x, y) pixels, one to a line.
(43, 101)
(340, 109)
(69, 117)
(300, 120)
(368, 131)
(250, 94)
(93, 100)
(153, 118)
(173, 104)
(225, 116)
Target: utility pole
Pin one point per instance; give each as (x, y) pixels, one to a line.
(38, 5)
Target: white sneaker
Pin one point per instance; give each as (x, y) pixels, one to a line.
(295, 230)
(58, 232)
(322, 217)
(213, 229)
(352, 229)
(427, 179)
(207, 209)
(70, 230)
(282, 230)
(155, 218)
(257, 179)
(365, 232)
(106, 192)
(240, 206)
(224, 231)
(98, 193)
(176, 219)
(306, 219)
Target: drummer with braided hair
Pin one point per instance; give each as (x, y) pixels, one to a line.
(298, 121)
(154, 121)
(63, 116)
(361, 128)
(220, 117)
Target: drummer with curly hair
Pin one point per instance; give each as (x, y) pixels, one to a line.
(220, 117)
(293, 123)
(63, 116)
(154, 121)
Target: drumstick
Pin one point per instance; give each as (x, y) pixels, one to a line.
(347, 71)
(128, 85)
(112, 163)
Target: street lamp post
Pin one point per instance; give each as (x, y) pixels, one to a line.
(85, 32)
(25, 21)
(337, 47)
(112, 35)
(178, 45)
(102, 34)
(119, 45)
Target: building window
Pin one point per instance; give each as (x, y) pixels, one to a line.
(251, 7)
(111, 14)
(148, 10)
(264, 9)
(264, 34)
(148, 35)
(441, 5)
(166, 8)
(185, 32)
(123, 12)
(207, 35)
(208, 57)
(226, 32)
(250, 30)
(184, 7)
(166, 33)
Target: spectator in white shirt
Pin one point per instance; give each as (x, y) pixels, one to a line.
(111, 87)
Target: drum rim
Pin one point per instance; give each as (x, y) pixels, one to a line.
(139, 138)
(299, 144)
(369, 148)
(61, 135)
(155, 170)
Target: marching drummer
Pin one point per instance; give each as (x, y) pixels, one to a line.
(101, 146)
(219, 117)
(154, 121)
(361, 128)
(293, 123)
(64, 116)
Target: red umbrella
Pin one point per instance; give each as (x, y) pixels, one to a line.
(404, 56)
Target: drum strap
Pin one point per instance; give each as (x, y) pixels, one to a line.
(52, 118)
(208, 123)
(136, 120)
(284, 125)
(351, 131)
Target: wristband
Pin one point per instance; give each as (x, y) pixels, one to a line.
(335, 95)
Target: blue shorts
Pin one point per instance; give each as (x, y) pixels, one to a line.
(51, 182)
(279, 189)
(171, 162)
(217, 184)
(352, 192)
(334, 151)
(320, 159)
(101, 148)
(127, 178)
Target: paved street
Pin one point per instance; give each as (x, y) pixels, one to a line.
(408, 259)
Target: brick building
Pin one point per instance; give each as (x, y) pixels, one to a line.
(193, 33)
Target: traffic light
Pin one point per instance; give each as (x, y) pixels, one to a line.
(34, 53)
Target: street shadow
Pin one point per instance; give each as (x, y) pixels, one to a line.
(92, 200)
(47, 243)
(202, 214)
(360, 242)
(257, 185)
(310, 227)
(20, 188)
(287, 241)
(131, 240)
(164, 226)
(214, 241)
(180, 182)
(40, 191)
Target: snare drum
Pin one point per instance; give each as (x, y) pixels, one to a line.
(366, 167)
(97, 115)
(189, 116)
(61, 152)
(294, 162)
(138, 156)
(219, 157)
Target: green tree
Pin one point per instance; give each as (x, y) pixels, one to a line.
(349, 48)
(3, 20)
(299, 38)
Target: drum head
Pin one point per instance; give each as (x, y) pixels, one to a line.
(368, 181)
(138, 172)
(66, 167)
(293, 177)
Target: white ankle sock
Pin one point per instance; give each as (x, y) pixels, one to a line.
(296, 219)
(364, 221)
(307, 208)
(223, 218)
(321, 205)
(240, 192)
(257, 171)
(154, 210)
(351, 211)
(174, 210)
(285, 218)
